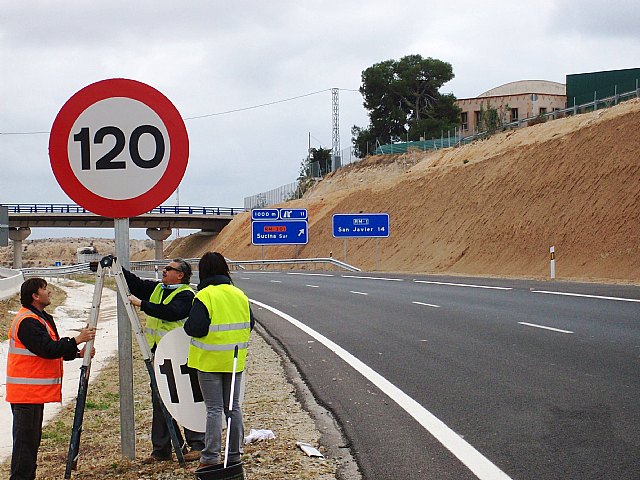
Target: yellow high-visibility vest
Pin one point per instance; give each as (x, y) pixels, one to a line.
(157, 328)
(230, 326)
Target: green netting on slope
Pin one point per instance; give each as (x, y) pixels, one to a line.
(403, 147)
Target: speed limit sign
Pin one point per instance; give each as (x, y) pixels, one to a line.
(118, 148)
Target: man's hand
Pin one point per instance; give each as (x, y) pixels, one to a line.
(85, 335)
(82, 351)
(135, 300)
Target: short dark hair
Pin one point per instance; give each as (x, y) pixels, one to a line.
(185, 268)
(29, 288)
(213, 263)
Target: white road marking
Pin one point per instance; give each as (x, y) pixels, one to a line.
(311, 274)
(463, 285)
(466, 453)
(427, 304)
(358, 293)
(619, 299)
(313, 286)
(546, 328)
(374, 278)
(275, 281)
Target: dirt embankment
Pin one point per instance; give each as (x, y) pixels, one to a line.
(490, 208)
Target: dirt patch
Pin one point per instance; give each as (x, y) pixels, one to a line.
(493, 207)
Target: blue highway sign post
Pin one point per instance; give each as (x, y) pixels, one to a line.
(360, 225)
(291, 232)
(369, 225)
(279, 226)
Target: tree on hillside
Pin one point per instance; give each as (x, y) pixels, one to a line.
(404, 103)
(317, 164)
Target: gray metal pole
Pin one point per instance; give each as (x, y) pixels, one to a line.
(125, 353)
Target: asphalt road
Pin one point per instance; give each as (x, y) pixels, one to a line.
(460, 378)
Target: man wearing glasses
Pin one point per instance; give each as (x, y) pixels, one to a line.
(167, 305)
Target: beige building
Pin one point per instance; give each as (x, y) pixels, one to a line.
(514, 101)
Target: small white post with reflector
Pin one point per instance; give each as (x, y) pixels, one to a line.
(552, 252)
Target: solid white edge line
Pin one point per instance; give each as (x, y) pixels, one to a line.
(601, 297)
(466, 453)
(546, 328)
(463, 285)
(374, 278)
(427, 304)
(358, 293)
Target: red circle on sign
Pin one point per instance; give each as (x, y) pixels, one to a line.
(85, 98)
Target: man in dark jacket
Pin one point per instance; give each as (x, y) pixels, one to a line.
(167, 305)
(34, 372)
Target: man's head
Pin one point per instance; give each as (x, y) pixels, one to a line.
(178, 271)
(35, 293)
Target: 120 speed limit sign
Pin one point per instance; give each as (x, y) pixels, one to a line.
(118, 148)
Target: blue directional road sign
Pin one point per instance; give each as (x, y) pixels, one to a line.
(265, 214)
(367, 225)
(260, 214)
(290, 232)
(293, 213)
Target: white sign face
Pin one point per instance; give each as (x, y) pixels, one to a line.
(178, 385)
(119, 148)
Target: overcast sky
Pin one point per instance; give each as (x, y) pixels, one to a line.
(211, 57)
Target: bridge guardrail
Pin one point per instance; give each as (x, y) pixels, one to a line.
(162, 209)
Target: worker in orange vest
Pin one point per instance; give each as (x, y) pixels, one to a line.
(34, 372)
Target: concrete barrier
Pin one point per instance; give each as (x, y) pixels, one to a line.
(10, 281)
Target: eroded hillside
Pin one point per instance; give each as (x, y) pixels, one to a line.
(490, 208)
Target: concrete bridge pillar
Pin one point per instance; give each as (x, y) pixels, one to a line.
(159, 235)
(17, 235)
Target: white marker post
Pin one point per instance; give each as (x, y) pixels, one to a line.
(552, 252)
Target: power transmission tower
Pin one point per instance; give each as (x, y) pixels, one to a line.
(335, 137)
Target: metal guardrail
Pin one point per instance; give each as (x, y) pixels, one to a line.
(149, 265)
(162, 209)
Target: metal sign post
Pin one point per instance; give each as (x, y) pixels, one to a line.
(360, 225)
(119, 148)
(4, 226)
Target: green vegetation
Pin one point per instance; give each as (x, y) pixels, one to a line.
(404, 102)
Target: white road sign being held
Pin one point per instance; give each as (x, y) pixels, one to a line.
(178, 385)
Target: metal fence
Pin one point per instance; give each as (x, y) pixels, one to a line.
(157, 265)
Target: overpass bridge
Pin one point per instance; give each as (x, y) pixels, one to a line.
(159, 222)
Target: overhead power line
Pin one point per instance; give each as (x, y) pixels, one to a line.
(219, 113)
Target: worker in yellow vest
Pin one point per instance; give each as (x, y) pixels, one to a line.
(167, 305)
(220, 320)
(34, 372)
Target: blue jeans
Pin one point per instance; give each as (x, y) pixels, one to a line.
(216, 389)
(27, 432)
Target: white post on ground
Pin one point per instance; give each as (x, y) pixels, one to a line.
(552, 252)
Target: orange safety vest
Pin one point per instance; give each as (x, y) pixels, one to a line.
(30, 378)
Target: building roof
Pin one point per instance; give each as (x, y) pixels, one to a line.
(526, 86)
